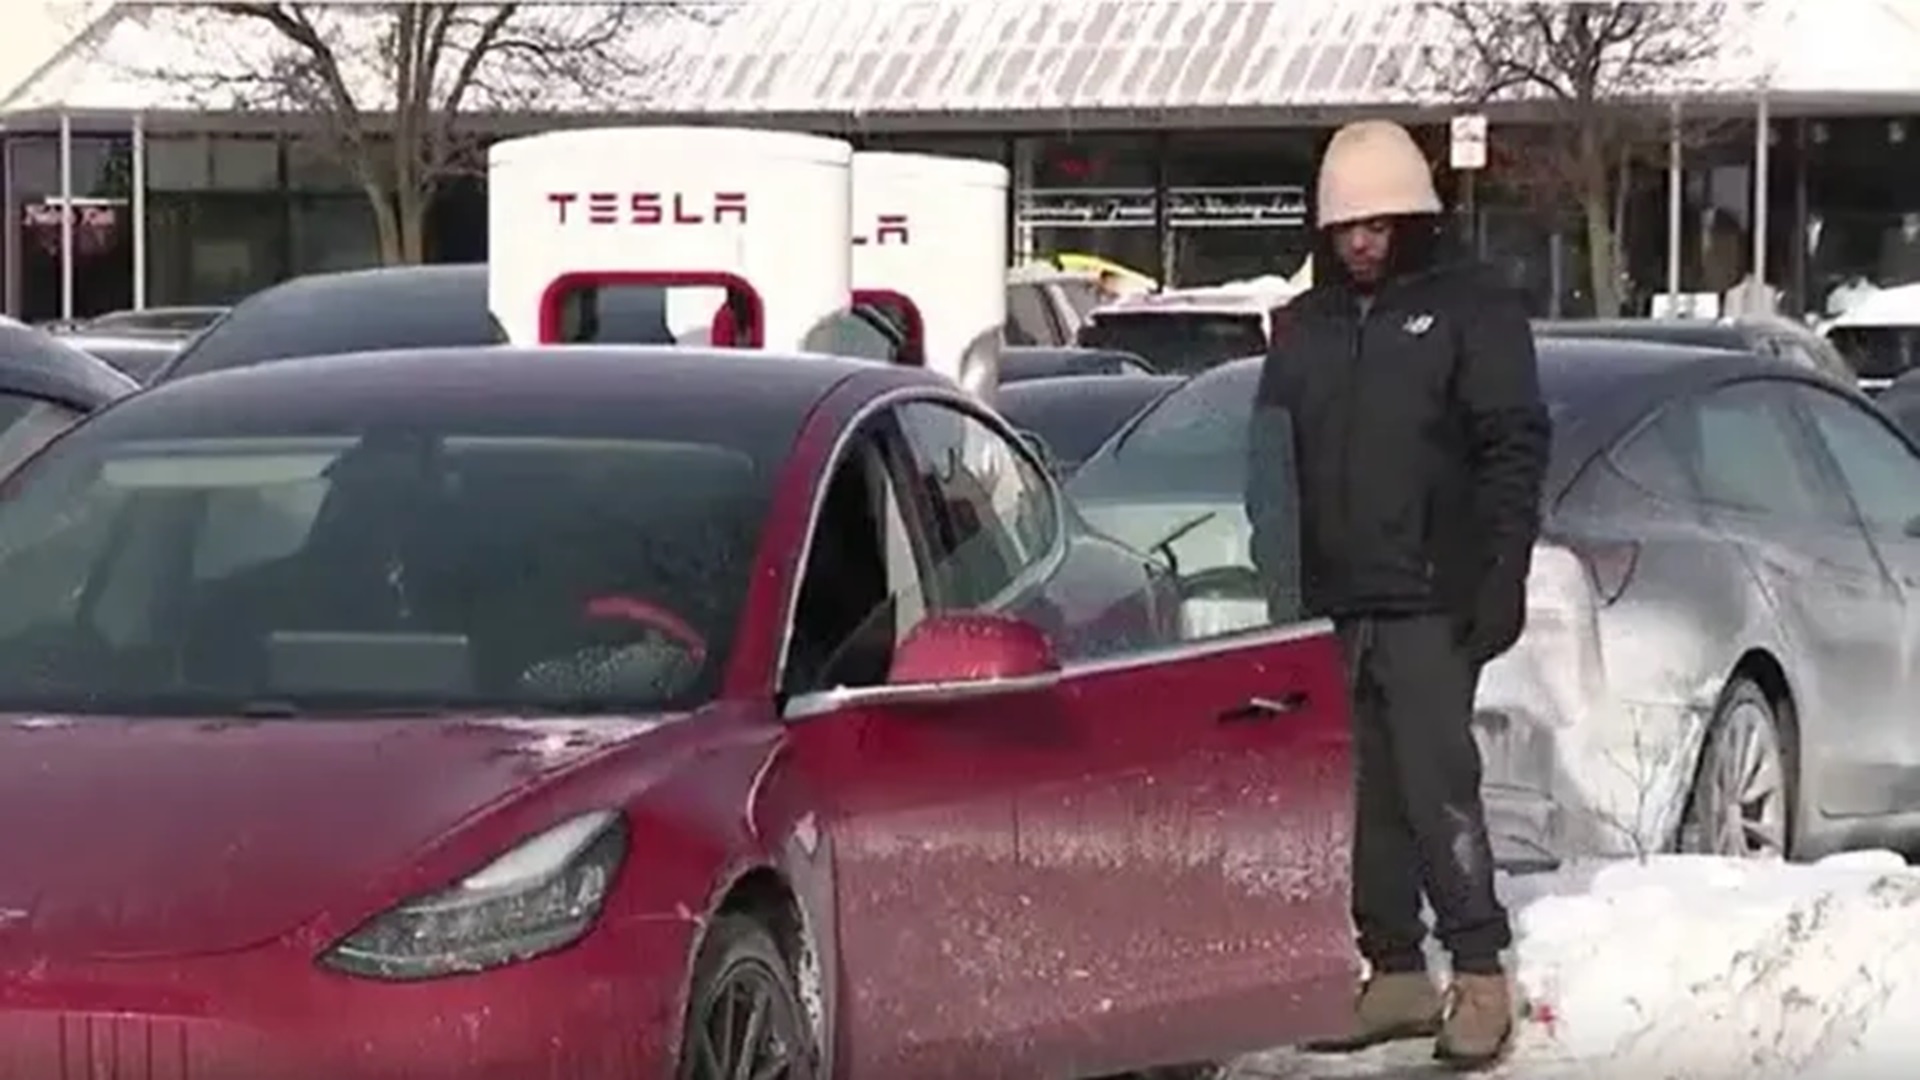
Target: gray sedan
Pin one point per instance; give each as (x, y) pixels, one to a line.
(1723, 640)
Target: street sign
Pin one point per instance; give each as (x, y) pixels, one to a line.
(1469, 150)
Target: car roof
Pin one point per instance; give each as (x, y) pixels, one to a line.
(410, 306)
(1083, 386)
(735, 384)
(1725, 334)
(34, 363)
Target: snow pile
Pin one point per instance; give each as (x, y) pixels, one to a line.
(1690, 968)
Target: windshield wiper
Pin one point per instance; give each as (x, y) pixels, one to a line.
(1165, 546)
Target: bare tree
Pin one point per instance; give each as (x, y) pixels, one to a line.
(1601, 73)
(391, 84)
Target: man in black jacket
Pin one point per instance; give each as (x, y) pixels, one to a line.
(1405, 392)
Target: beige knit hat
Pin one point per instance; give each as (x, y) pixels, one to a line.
(1374, 169)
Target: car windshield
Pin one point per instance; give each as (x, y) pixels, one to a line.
(1878, 352)
(1178, 342)
(337, 570)
(1182, 442)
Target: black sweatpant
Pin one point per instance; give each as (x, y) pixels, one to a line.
(1419, 823)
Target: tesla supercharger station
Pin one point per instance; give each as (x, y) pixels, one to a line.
(930, 245)
(745, 232)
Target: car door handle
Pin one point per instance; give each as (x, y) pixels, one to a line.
(1265, 708)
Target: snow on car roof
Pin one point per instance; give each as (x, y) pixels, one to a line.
(1253, 296)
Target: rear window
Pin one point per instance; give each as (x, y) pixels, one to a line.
(1878, 352)
(1178, 342)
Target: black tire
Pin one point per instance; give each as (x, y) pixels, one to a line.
(1742, 704)
(739, 976)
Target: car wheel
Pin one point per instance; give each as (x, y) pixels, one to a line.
(1743, 798)
(744, 1017)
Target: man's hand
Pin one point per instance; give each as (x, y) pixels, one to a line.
(1499, 615)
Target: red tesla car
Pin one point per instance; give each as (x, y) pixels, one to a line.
(615, 713)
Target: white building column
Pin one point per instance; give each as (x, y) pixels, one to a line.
(1676, 202)
(1762, 180)
(66, 216)
(137, 212)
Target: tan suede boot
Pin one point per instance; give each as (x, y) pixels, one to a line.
(1390, 1007)
(1478, 1030)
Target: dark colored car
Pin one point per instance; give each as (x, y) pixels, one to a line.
(139, 356)
(46, 385)
(1022, 363)
(506, 713)
(400, 307)
(424, 307)
(1072, 416)
(1719, 653)
(178, 322)
(1780, 339)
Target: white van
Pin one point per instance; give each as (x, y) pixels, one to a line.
(1880, 336)
(1183, 331)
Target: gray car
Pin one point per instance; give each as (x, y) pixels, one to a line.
(1723, 637)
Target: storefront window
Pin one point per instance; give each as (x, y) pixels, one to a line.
(1237, 203)
(178, 163)
(333, 233)
(316, 165)
(244, 164)
(1088, 196)
(1863, 221)
(214, 249)
(102, 240)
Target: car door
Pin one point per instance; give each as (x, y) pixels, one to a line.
(1879, 469)
(914, 809)
(1182, 813)
(1762, 483)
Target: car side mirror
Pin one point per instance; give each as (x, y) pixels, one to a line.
(1913, 527)
(975, 652)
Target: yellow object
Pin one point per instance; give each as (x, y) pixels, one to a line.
(1094, 264)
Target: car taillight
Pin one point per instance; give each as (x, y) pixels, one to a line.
(1609, 564)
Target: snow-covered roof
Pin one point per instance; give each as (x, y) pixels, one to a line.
(959, 58)
(36, 31)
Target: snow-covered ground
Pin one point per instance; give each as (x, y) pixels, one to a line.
(1692, 968)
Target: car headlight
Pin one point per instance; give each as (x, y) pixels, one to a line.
(541, 896)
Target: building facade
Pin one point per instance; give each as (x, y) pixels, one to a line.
(1211, 182)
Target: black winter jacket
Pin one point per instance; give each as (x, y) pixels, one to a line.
(1414, 422)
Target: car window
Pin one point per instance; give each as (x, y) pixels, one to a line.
(860, 334)
(27, 424)
(1647, 462)
(1181, 342)
(860, 590)
(1880, 470)
(529, 567)
(1075, 425)
(1741, 444)
(1030, 319)
(1878, 352)
(989, 515)
(1192, 441)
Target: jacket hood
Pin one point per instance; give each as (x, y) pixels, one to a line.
(1422, 244)
(1373, 169)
